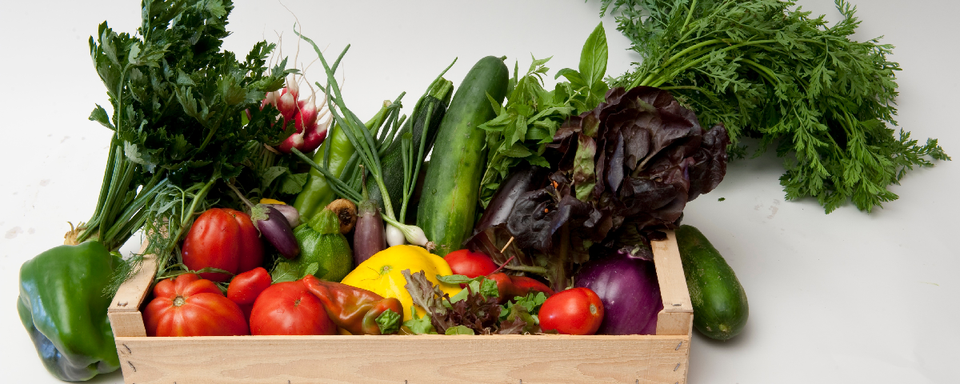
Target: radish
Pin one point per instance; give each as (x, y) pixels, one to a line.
(270, 99)
(310, 124)
(287, 102)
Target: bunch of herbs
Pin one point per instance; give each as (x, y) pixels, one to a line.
(187, 121)
(529, 118)
(766, 69)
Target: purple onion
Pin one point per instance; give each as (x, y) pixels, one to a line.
(629, 290)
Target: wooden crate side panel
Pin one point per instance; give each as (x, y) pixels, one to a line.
(406, 359)
(676, 318)
(128, 324)
(124, 311)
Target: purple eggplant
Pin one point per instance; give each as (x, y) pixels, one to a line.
(275, 227)
(629, 290)
(289, 212)
(368, 235)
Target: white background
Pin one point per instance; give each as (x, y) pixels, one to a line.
(848, 297)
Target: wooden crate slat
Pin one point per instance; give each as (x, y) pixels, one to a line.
(411, 359)
(676, 318)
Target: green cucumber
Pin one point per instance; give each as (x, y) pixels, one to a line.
(720, 307)
(449, 202)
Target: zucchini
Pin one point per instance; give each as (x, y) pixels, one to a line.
(428, 110)
(449, 201)
(720, 307)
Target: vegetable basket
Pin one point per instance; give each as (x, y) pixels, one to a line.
(409, 359)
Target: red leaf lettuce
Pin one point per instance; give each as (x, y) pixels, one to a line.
(619, 175)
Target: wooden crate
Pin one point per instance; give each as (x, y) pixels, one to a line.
(634, 359)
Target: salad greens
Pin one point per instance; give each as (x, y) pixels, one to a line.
(767, 70)
(474, 310)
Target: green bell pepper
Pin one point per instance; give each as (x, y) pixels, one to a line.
(63, 307)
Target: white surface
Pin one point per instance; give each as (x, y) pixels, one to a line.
(848, 297)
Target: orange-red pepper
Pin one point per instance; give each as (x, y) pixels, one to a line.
(356, 310)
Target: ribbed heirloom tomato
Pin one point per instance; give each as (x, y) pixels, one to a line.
(575, 311)
(222, 238)
(191, 306)
(289, 308)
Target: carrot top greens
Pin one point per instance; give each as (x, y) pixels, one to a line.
(767, 70)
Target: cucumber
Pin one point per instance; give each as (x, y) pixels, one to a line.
(720, 307)
(449, 201)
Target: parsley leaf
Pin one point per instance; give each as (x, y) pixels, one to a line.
(186, 119)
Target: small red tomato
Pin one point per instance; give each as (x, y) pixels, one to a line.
(225, 239)
(191, 306)
(470, 264)
(575, 311)
(289, 308)
(245, 287)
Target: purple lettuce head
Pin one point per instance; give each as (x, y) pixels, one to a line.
(619, 174)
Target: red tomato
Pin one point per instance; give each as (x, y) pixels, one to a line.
(245, 287)
(222, 238)
(289, 308)
(470, 264)
(575, 311)
(191, 306)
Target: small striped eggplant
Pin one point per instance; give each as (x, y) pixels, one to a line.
(368, 236)
(275, 227)
(288, 211)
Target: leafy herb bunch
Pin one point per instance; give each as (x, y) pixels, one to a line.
(531, 115)
(186, 116)
(766, 69)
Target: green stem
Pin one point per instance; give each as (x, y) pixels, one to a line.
(527, 268)
(134, 214)
(187, 215)
(104, 188)
(701, 58)
(352, 125)
(407, 157)
(764, 71)
(689, 16)
(338, 185)
(412, 182)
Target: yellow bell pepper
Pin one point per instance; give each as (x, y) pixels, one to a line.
(382, 273)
